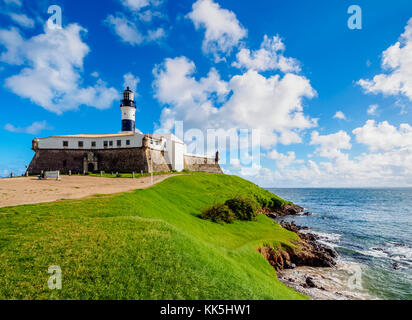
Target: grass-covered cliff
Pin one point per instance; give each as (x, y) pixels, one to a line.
(148, 244)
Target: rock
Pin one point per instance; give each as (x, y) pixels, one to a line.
(396, 266)
(377, 249)
(310, 283)
(291, 209)
(307, 214)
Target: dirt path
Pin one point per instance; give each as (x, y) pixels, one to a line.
(19, 191)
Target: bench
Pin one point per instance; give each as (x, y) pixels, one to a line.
(52, 175)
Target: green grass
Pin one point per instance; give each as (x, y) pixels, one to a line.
(148, 244)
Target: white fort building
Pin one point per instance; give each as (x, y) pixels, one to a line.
(128, 151)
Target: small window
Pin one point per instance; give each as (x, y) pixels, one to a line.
(81, 144)
(106, 144)
(93, 144)
(65, 144)
(127, 142)
(64, 163)
(119, 143)
(111, 143)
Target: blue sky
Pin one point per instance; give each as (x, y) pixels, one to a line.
(333, 105)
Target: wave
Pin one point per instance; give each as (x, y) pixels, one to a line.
(397, 252)
(329, 239)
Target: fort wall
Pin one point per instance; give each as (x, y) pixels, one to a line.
(114, 160)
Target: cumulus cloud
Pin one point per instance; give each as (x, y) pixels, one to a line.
(34, 128)
(283, 160)
(131, 81)
(388, 162)
(125, 29)
(268, 57)
(52, 63)
(397, 65)
(272, 105)
(339, 115)
(125, 26)
(223, 31)
(330, 146)
(384, 136)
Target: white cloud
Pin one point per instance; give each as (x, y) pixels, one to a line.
(330, 146)
(268, 57)
(22, 20)
(34, 128)
(384, 136)
(339, 115)
(125, 29)
(387, 164)
(131, 81)
(271, 105)
(13, 42)
(222, 29)
(373, 109)
(155, 35)
(129, 33)
(283, 160)
(397, 62)
(137, 5)
(52, 63)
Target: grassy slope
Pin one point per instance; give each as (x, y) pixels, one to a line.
(148, 244)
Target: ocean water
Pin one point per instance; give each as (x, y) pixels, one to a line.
(369, 227)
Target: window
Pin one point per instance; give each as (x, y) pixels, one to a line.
(65, 144)
(93, 144)
(64, 163)
(81, 144)
(111, 143)
(119, 143)
(106, 143)
(127, 142)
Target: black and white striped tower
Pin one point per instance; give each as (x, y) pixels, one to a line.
(128, 108)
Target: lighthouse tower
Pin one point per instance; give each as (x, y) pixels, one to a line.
(128, 108)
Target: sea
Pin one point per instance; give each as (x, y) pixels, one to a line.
(370, 228)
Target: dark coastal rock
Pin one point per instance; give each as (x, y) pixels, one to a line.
(396, 266)
(307, 214)
(309, 252)
(286, 210)
(310, 283)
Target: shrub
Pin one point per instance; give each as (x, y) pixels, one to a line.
(262, 201)
(276, 204)
(244, 209)
(218, 213)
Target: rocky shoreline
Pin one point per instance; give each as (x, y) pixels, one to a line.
(306, 266)
(307, 253)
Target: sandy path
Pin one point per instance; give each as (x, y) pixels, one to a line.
(20, 191)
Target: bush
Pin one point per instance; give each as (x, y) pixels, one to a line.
(243, 208)
(276, 204)
(262, 201)
(219, 213)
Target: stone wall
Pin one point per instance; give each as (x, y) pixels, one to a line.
(113, 160)
(200, 164)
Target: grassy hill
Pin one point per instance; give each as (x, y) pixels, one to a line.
(148, 244)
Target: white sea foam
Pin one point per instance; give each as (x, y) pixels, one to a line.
(328, 239)
(397, 252)
(344, 282)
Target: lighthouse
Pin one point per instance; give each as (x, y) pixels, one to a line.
(128, 108)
